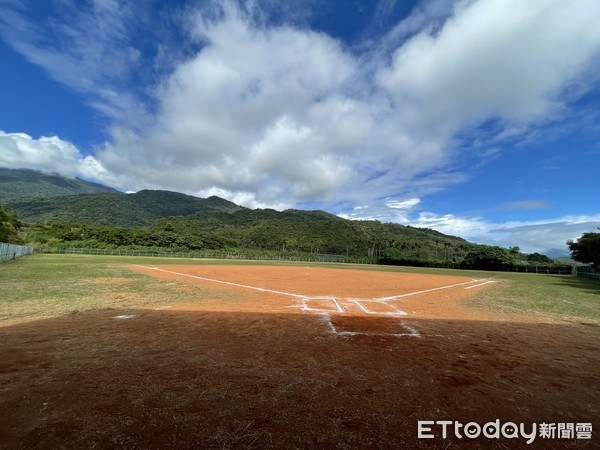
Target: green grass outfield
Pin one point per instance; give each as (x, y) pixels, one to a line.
(42, 286)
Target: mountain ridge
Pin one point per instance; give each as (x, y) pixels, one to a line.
(181, 222)
(17, 183)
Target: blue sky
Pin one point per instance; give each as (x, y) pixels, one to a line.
(478, 118)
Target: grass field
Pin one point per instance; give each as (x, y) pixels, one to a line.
(42, 286)
(224, 354)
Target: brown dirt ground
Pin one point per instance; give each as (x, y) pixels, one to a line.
(254, 369)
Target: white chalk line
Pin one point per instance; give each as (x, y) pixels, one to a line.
(223, 282)
(396, 312)
(480, 284)
(325, 313)
(361, 307)
(304, 307)
(339, 308)
(393, 297)
(301, 296)
(124, 316)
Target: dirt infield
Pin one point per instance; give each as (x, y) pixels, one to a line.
(335, 292)
(294, 357)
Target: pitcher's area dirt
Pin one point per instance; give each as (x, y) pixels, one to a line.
(257, 369)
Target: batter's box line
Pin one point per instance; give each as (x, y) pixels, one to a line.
(412, 331)
(396, 312)
(304, 307)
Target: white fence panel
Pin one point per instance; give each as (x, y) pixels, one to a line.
(12, 251)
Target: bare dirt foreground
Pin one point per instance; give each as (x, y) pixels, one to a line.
(294, 357)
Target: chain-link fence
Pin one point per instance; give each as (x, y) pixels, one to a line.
(586, 272)
(12, 251)
(331, 258)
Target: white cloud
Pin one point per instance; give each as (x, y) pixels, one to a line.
(256, 110)
(280, 111)
(544, 236)
(502, 59)
(531, 236)
(273, 115)
(405, 204)
(88, 49)
(50, 154)
(387, 210)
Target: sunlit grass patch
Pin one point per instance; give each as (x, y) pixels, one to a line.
(42, 286)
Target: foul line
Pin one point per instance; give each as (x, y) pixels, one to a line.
(393, 297)
(412, 332)
(300, 296)
(223, 282)
(480, 284)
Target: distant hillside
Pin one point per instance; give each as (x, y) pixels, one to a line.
(317, 231)
(141, 209)
(174, 219)
(177, 222)
(17, 183)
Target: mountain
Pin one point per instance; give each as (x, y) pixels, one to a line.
(558, 253)
(41, 197)
(141, 209)
(17, 183)
(171, 219)
(61, 211)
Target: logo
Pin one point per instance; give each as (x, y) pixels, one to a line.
(430, 429)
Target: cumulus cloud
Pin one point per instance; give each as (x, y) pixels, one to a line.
(49, 154)
(494, 59)
(288, 114)
(544, 236)
(548, 236)
(269, 113)
(255, 110)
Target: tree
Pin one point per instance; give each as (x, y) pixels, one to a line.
(9, 226)
(586, 249)
(489, 258)
(539, 258)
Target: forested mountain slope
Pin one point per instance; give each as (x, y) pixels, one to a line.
(16, 183)
(115, 209)
(177, 222)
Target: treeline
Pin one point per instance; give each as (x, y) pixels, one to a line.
(65, 234)
(291, 234)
